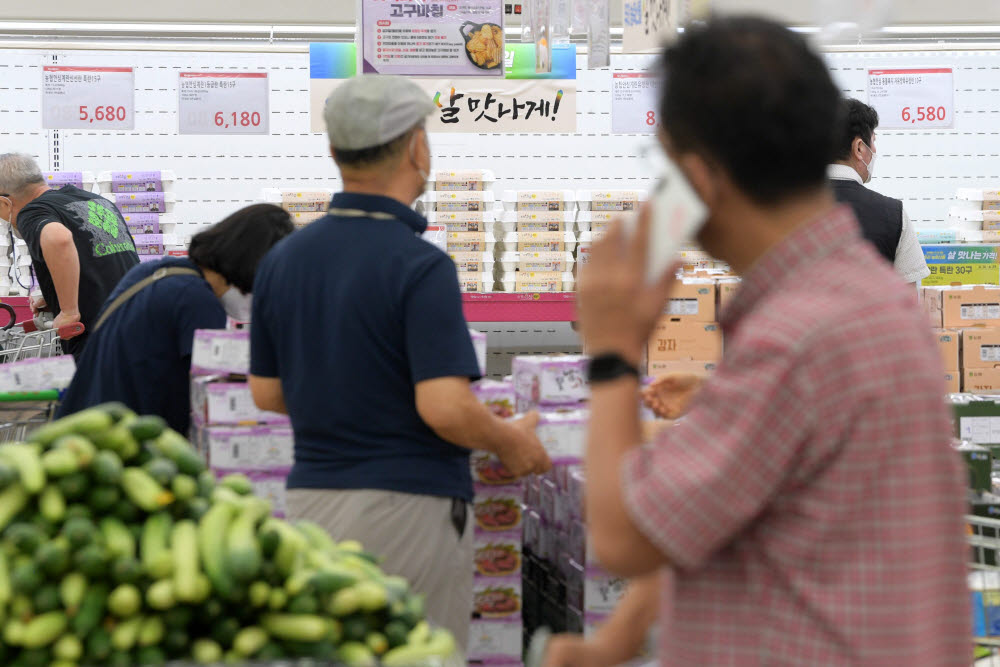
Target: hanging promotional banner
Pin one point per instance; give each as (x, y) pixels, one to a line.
(649, 24)
(93, 98)
(223, 103)
(634, 102)
(523, 102)
(912, 99)
(961, 265)
(432, 38)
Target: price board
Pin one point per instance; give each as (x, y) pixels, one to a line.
(634, 103)
(223, 103)
(93, 98)
(961, 265)
(913, 99)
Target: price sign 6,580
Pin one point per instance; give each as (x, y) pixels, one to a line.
(913, 99)
(223, 103)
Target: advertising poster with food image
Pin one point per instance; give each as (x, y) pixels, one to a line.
(433, 38)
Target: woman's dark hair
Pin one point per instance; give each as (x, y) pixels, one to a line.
(234, 247)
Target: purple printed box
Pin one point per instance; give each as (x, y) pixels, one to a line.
(487, 470)
(142, 202)
(149, 244)
(551, 380)
(142, 223)
(497, 395)
(564, 435)
(593, 590)
(497, 554)
(498, 508)
(246, 447)
(532, 534)
(497, 598)
(58, 179)
(495, 641)
(216, 401)
(220, 352)
(136, 181)
(574, 493)
(267, 484)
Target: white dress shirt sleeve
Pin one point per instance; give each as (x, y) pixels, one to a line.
(910, 263)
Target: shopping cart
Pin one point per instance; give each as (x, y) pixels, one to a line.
(984, 580)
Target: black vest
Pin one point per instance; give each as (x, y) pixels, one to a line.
(881, 217)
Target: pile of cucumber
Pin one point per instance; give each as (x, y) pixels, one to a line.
(118, 547)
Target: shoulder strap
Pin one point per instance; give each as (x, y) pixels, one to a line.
(122, 298)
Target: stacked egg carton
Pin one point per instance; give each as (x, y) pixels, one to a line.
(227, 427)
(146, 199)
(304, 206)
(598, 208)
(974, 218)
(460, 211)
(538, 234)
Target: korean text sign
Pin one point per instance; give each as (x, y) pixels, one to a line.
(912, 99)
(432, 37)
(962, 264)
(223, 103)
(93, 98)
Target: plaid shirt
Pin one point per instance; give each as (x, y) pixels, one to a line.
(809, 502)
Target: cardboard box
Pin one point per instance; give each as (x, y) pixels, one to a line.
(728, 287)
(246, 447)
(977, 419)
(677, 340)
(953, 381)
(496, 597)
(564, 435)
(964, 306)
(493, 640)
(220, 352)
(498, 509)
(215, 400)
(497, 554)
(981, 380)
(551, 380)
(44, 374)
(692, 300)
(699, 368)
(980, 347)
(948, 343)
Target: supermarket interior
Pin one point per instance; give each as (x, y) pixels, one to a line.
(445, 332)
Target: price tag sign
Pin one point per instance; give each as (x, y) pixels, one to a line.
(93, 98)
(223, 103)
(633, 103)
(910, 99)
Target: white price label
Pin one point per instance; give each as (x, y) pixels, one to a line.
(223, 103)
(633, 103)
(912, 98)
(95, 98)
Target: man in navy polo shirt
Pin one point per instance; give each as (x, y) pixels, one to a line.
(358, 334)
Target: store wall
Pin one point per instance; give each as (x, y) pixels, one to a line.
(342, 12)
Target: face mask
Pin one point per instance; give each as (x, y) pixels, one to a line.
(8, 222)
(870, 165)
(237, 304)
(413, 158)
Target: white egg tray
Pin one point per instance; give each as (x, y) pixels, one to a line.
(539, 200)
(959, 220)
(543, 241)
(461, 180)
(470, 242)
(458, 217)
(312, 200)
(150, 223)
(143, 202)
(537, 261)
(476, 282)
(82, 179)
(457, 201)
(610, 200)
(160, 180)
(542, 281)
(473, 262)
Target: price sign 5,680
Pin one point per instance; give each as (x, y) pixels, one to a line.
(100, 98)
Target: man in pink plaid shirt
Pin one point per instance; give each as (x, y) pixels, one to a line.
(809, 505)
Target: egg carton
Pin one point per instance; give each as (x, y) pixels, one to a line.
(536, 281)
(477, 282)
(544, 241)
(536, 261)
(143, 202)
(150, 223)
(482, 242)
(539, 200)
(449, 202)
(311, 200)
(161, 180)
(473, 262)
(463, 180)
(82, 179)
(611, 200)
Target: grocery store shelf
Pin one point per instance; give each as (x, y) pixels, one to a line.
(510, 307)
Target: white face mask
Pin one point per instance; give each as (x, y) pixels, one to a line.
(870, 165)
(237, 304)
(8, 222)
(425, 175)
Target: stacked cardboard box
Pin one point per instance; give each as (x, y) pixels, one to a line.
(304, 206)
(687, 338)
(966, 322)
(227, 427)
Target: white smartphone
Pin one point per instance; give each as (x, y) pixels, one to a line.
(677, 216)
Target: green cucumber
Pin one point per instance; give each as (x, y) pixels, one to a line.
(119, 539)
(184, 487)
(6, 591)
(126, 633)
(44, 629)
(144, 491)
(152, 631)
(259, 593)
(91, 610)
(155, 545)
(296, 627)
(98, 646)
(82, 448)
(356, 654)
(172, 444)
(29, 466)
(8, 474)
(162, 470)
(79, 531)
(46, 599)
(52, 504)
(160, 596)
(103, 497)
(244, 555)
(84, 422)
(147, 428)
(237, 482)
(184, 546)
(107, 468)
(206, 652)
(74, 485)
(53, 558)
(125, 601)
(91, 560)
(68, 648)
(439, 645)
(60, 462)
(212, 531)
(72, 590)
(249, 641)
(126, 570)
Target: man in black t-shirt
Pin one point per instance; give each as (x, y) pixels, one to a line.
(79, 243)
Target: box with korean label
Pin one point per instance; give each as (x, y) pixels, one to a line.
(537, 281)
(82, 179)
(551, 380)
(246, 447)
(497, 554)
(593, 589)
(473, 262)
(678, 340)
(980, 348)
(497, 395)
(658, 369)
(692, 300)
(136, 181)
(728, 287)
(953, 381)
(220, 352)
(564, 435)
(610, 200)
(267, 484)
(143, 202)
(495, 640)
(498, 509)
(948, 345)
(31, 375)
(963, 306)
(216, 400)
(457, 201)
(538, 221)
(475, 180)
(981, 380)
(977, 418)
(539, 200)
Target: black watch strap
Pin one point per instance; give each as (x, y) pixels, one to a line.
(607, 367)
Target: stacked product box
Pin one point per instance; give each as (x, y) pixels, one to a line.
(598, 209)
(496, 630)
(304, 206)
(973, 218)
(966, 323)
(227, 427)
(460, 209)
(539, 239)
(146, 200)
(686, 338)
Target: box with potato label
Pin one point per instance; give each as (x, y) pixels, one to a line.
(981, 380)
(980, 348)
(728, 287)
(658, 369)
(675, 339)
(948, 344)
(963, 306)
(692, 300)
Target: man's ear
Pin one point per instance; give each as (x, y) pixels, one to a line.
(701, 175)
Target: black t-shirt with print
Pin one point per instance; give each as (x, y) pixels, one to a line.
(103, 243)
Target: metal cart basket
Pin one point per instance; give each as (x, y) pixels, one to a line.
(21, 413)
(984, 581)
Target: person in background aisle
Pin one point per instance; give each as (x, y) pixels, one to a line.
(140, 348)
(776, 500)
(383, 414)
(883, 219)
(79, 243)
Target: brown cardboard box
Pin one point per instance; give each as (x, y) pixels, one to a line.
(981, 380)
(699, 368)
(981, 348)
(692, 300)
(948, 344)
(964, 306)
(930, 299)
(953, 380)
(680, 340)
(728, 288)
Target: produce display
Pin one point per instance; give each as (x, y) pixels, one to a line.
(118, 547)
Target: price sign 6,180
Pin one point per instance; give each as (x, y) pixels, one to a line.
(237, 119)
(223, 103)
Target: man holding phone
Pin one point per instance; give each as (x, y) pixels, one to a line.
(777, 500)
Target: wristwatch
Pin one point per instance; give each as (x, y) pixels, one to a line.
(607, 367)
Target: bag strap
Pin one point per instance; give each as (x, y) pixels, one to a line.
(124, 297)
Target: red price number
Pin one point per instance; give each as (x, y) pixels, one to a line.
(931, 114)
(101, 114)
(650, 118)
(237, 119)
